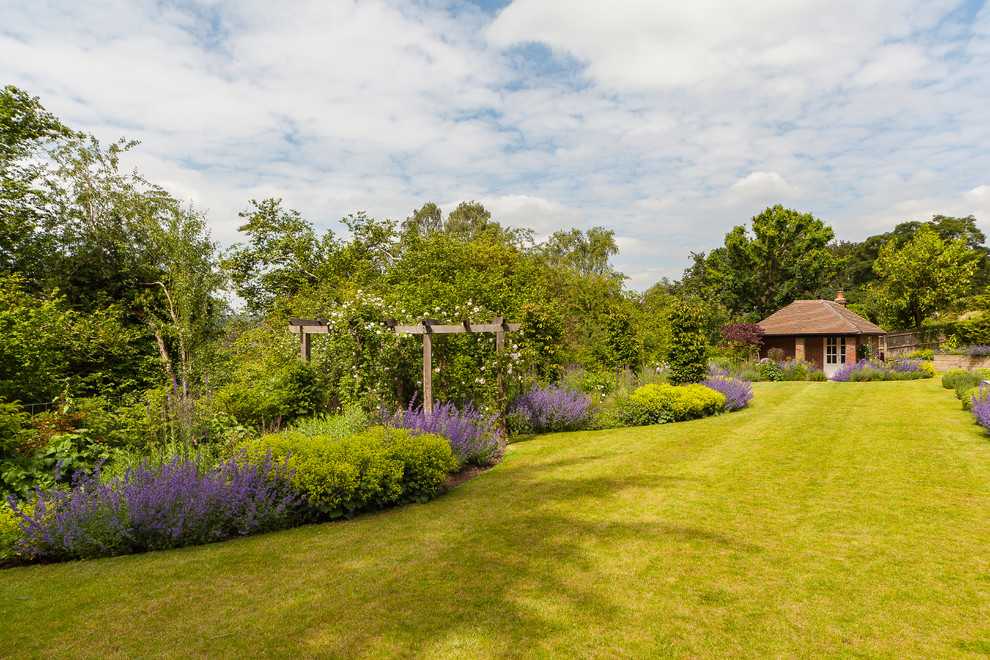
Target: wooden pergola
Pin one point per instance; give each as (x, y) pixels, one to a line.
(305, 328)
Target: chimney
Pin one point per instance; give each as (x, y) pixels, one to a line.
(841, 299)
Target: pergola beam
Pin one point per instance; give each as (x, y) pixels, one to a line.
(427, 327)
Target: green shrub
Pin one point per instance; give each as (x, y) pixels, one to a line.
(292, 393)
(660, 403)
(795, 370)
(688, 354)
(928, 369)
(751, 374)
(371, 470)
(973, 394)
(925, 354)
(769, 371)
(10, 531)
(351, 421)
(967, 382)
(952, 378)
(818, 376)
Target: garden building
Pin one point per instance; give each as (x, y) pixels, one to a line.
(822, 332)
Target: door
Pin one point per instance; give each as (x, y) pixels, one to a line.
(835, 354)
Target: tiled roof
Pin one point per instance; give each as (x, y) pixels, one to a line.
(817, 317)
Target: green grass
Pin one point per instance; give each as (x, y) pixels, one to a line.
(826, 520)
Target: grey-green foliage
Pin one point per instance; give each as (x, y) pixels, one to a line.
(350, 421)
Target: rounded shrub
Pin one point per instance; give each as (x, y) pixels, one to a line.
(660, 402)
(770, 371)
(371, 470)
(966, 383)
(952, 378)
(973, 395)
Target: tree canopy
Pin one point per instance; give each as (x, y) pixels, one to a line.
(784, 258)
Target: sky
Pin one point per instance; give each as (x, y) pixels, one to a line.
(668, 122)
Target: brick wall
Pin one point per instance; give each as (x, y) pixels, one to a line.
(786, 343)
(814, 351)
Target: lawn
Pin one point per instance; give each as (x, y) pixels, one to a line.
(826, 520)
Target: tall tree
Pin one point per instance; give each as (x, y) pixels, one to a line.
(923, 276)
(282, 257)
(28, 134)
(785, 258)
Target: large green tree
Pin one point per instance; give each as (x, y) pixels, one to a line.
(28, 136)
(923, 276)
(784, 258)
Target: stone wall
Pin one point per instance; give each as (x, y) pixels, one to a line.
(967, 362)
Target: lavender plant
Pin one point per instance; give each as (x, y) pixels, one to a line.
(472, 433)
(981, 411)
(169, 506)
(550, 409)
(867, 370)
(738, 392)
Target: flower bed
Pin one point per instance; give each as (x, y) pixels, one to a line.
(549, 409)
(868, 370)
(472, 434)
(170, 506)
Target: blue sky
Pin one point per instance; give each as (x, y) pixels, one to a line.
(668, 122)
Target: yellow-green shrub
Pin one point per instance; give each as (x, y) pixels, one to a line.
(10, 530)
(371, 470)
(952, 378)
(677, 402)
(978, 393)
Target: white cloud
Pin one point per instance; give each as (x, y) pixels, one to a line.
(767, 188)
(667, 122)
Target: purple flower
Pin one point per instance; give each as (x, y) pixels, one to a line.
(472, 434)
(170, 506)
(738, 392)
(981, 411)
(553, 408)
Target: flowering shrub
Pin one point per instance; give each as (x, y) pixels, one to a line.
(976, 350)
(981, 411)
(171, 506)
(662, 403)
(471, 433)
(866, 370)
(795, 369)
(737, 392)
(550, 409)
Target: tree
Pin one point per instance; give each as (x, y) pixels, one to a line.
(585, 253)
(282, 257)
(745, 338)
(688, 356)
(425, 220)
(786, 257)
(924, 276)
(181, 306)
(28, 133)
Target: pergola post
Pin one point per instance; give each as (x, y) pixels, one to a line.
(427, 367)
